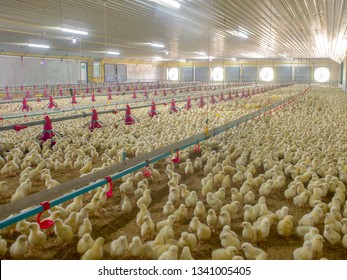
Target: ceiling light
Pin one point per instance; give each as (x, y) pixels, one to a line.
(113, 52)
(38, 46)
(74, 40)
(171, 3)
(166, 52)
(201, 53)
(182, 60)
(241, 34)
(233, 58)
(158, 58)
(74, 31)
(157, 45)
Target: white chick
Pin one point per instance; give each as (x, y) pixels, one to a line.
(285, 226)
(253, 253)
(3, 247)
(85, 243)
(224, 253)
(317, 245)
(213, 202)
(20, 247)
(249, 232)
(143, 212)
(211, 219)
(168, 208)
(36, 236)
(147, 227)
(224, 219)
(136, 247)
(227, 239)
(332, 236)
(304, 253)
(200, 210)
(119, 247)
(62, 231)
(96, 252)
(185, 254)
(191, 200)
(126, 205)
(187, 239)
(146, 199)
(86, 227)
(170, 254)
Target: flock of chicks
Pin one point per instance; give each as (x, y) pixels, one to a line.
(220, 202)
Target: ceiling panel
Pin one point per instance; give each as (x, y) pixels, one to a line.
(275, 28)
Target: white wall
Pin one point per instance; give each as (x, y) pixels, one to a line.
(16, 71)
(344, 75)
(139, 72)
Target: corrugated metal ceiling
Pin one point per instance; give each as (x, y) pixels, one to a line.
(294, 28)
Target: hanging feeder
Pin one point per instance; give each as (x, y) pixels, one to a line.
(93, 97)
(45, 224)
(25, 106)
(129, 119)
(197, 148)
(94, 123)
(153, 110)
(109, 193)
(176, 159)
(174, 108)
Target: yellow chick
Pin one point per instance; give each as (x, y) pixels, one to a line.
(191, 200)
(143, 212)
(213, 202)
(22, 227)
(184, 191)
(146, 199)
(76, 205)
(263, 229)
(211, 219)
(249, 214)
(20, 247)
(332, 236)
(281, 213)
(188, 239)
(227, 253)
(227, 239)
(231, 208)
(87, 168)
(185, 254)
(62, 231)
(236, 196)
(253, 253)
(197, 164)
(86, 227)
(181, 213)
(220, 193)
(136, 247)
(119, 247)
(147, 227)
(168, 208)
(96, 252)
(168, 222)
(203, 232)
(193, 224)
(126, 206)
(249, 198)
(189, 169)
(249, 232)
(170, 254)
(174, 195)
(85, 243)
(207, 187)
(200, 210)
(127, 187)
(224, 219)
(36, 236)
(71, 221)
(317, 245)
(304, 253)
(285, 226)
(3, 247)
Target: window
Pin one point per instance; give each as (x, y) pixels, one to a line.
(322, 75)
(96, 70)
(266, 74)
